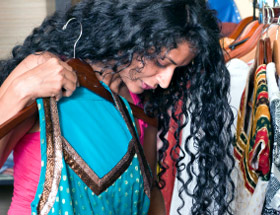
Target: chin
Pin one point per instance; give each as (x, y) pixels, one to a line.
(136, 91)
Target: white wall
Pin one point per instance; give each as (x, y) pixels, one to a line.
(18, 18)
(245, 7)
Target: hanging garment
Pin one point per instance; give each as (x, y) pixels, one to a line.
(239, 71)
(92, 161)
(252, 146)
(27, 158)
(272, 197)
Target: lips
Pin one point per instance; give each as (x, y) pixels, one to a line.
(146, 86)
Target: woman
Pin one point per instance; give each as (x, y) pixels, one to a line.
(165, 51)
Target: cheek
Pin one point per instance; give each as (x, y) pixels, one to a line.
(133, 74)
(148, 72)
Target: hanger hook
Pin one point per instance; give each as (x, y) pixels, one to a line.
(81, 32)
(270, 18)
(266, 21)
(272, 15)
(268, 15)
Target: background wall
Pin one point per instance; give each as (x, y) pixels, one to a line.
(245, 7)
(18, 18)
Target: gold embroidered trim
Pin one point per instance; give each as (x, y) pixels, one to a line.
(147, 176)
(80, 167)
(54, 157)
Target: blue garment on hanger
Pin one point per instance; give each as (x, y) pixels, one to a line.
(226, 9)
(101, 170)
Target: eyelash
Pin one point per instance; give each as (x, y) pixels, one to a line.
(159, 64)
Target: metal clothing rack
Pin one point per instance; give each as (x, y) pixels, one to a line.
(254, 9)
(267, 11)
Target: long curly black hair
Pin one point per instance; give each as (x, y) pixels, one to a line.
(115, 31)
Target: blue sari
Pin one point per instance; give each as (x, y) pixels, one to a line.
(92, 161)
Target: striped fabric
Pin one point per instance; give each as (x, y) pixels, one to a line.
(254, 133)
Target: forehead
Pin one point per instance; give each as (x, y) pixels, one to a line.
(181, 55)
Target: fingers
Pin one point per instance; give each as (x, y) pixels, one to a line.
(58, 96)
(69, 81)
(53, 78)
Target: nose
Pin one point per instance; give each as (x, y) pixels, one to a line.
(164, 77)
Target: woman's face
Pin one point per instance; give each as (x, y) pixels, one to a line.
(156, 72)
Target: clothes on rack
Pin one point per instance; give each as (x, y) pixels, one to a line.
(252, 146)
(272, 197)
(257, 142)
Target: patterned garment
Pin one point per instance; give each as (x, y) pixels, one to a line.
(253, 146)
(272, 197)
(92, 161)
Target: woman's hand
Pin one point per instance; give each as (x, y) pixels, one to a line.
(40, 75)
(53, 78)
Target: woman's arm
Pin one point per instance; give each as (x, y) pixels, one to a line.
(157, 206)
(40, 75)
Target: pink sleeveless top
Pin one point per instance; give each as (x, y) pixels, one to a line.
(27, 167)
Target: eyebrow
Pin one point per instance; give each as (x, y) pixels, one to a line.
(172, 61)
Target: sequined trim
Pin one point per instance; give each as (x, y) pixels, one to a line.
(54, 157)
(80, 167)
(147, 176)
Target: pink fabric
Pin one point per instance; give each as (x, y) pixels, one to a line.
(142, 124)
(27, 165)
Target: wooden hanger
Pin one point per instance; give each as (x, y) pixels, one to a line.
(276, 56)
(240, 27)
(269, 17)
(245, 39)
(260, 56)
(234, 38)
(275, 49)
(267, 50)
(86, 78)
(246, 47)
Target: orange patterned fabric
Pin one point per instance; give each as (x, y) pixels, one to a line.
(254, 133)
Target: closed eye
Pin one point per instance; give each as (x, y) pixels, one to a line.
(159, 64)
